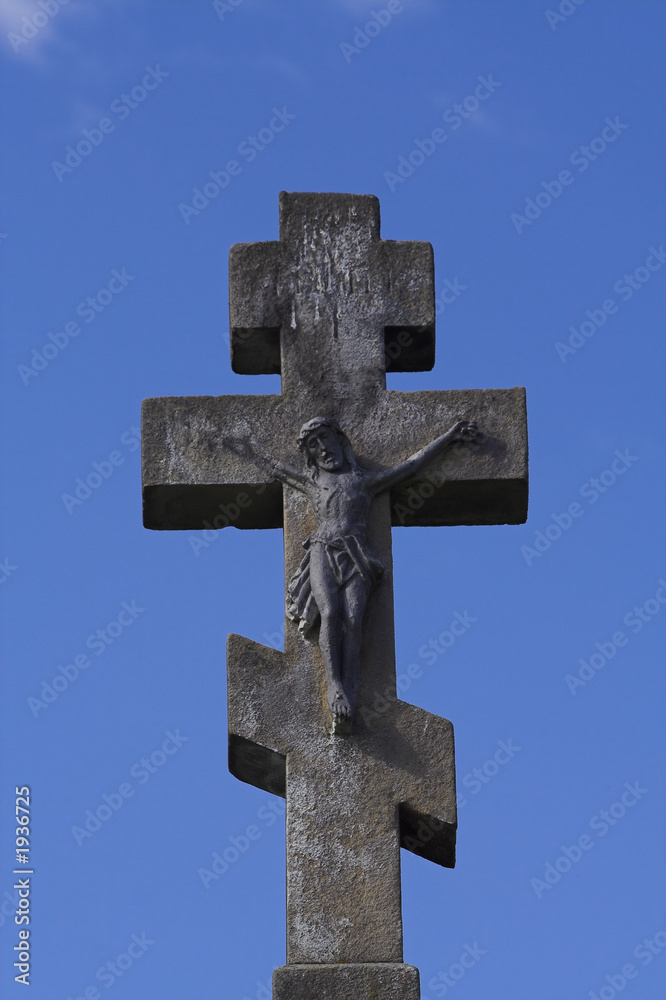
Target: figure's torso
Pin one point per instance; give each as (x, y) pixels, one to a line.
(341, 504)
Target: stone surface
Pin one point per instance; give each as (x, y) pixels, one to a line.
(332, 306)
(346, 982)
(190, 472)
(351, 802)
(330, 273)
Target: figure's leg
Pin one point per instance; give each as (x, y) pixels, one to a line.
(354, 600)
(327, 597)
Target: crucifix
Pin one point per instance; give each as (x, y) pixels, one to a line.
(336, 459)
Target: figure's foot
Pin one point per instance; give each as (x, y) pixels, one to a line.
(341, 713)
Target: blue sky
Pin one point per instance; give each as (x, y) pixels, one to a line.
(542, 196)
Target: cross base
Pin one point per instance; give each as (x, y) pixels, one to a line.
(376, 980)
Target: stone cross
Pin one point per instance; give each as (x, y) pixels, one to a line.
(332, 307)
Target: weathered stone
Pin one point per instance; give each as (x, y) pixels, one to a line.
(332, 306)
(389, 981)
(351, 802)
(190, 472)
(331, 273)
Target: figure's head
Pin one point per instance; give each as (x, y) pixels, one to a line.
(325, 445)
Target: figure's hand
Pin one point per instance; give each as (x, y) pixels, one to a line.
(465, 430)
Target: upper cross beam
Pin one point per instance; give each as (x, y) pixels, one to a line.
(332, 293)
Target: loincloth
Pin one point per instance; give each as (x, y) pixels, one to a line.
(346, 557)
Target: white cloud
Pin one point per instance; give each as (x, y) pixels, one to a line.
(33, 29)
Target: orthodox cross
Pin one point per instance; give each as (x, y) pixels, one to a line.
(331, 307)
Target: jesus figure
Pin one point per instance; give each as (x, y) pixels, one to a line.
(339, 568)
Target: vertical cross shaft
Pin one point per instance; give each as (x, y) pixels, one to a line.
(336, 288)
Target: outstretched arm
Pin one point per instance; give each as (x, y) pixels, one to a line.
(288, 474)
(463, 430)
(275, 469)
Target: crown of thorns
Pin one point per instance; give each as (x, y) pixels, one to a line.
(315, 424)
